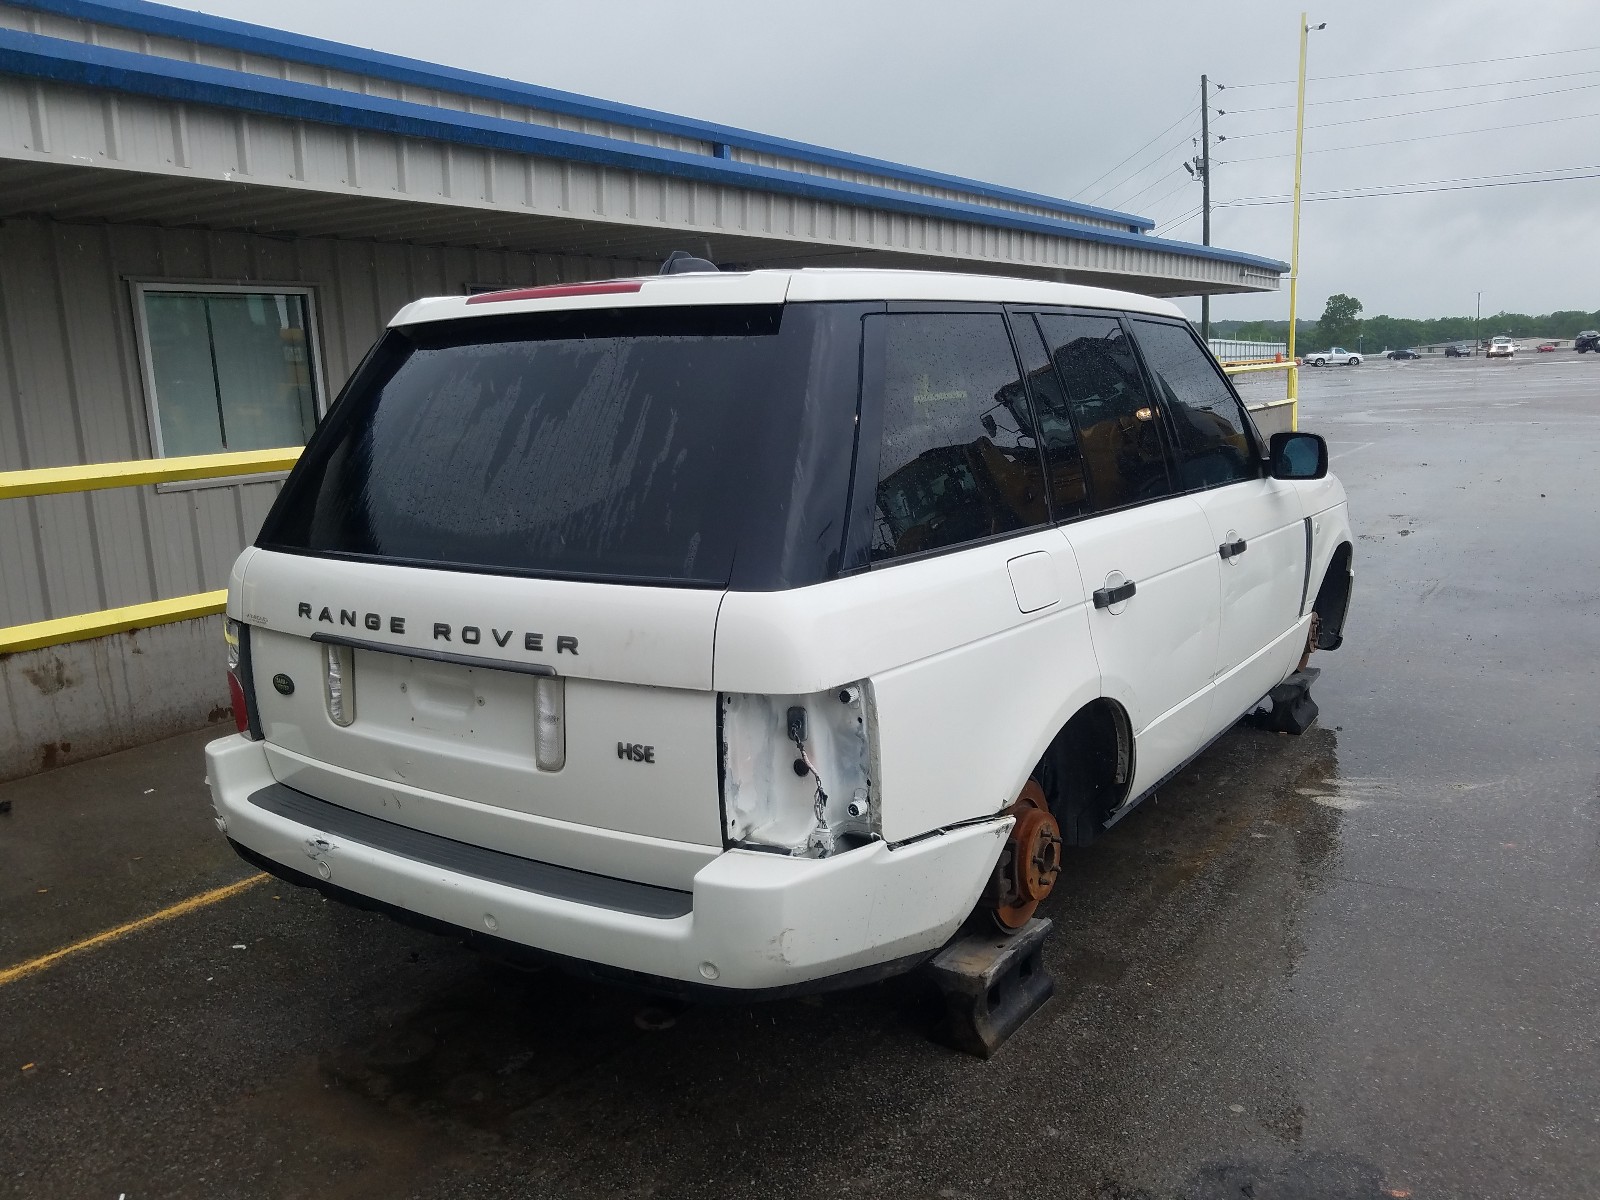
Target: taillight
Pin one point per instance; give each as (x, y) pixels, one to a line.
(339, 683)
(241, 711)
(241, 695)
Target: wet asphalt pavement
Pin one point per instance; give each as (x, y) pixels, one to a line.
(1360, 963)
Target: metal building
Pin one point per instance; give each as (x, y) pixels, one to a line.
(204, 224)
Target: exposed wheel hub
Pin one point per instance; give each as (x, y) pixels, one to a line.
(1030, 864)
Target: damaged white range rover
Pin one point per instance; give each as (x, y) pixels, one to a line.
(753, 631)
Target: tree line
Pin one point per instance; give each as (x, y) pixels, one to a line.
(1342, 325)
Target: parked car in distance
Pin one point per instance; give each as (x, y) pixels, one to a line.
(1589, 339)
(698, 575)
(1546, 347)
(1338, 354)
(1500, 347)
(1403, 354)
(1458, 350)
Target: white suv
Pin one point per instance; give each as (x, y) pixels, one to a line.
(751, 631)
(1338, 354)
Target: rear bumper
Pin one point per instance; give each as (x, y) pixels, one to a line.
(754, 922)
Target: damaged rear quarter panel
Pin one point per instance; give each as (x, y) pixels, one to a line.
(968, 689)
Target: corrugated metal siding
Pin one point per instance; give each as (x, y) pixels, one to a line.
(310, 180)
(71, 390)
(800, 166)
(69, 29)
(51, 25)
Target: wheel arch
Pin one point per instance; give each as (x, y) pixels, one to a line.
(1097, 743)
(1333, 597)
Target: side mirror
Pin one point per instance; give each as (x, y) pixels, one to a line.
(1298, 456)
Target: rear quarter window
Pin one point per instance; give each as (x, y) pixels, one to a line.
(958, 460)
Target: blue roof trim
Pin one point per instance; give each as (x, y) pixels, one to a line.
(40, 57)
(164, 20)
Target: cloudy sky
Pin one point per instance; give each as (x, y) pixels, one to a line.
(1051, 95)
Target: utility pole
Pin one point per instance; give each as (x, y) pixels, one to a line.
(1205, 198)
(1477, 336)
(1294, 247)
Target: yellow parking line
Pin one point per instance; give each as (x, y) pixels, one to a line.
(24, 969)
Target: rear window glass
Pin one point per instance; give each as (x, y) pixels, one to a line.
(605, 444)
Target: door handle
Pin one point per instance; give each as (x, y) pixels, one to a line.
(1106, 597)
(1232, 549)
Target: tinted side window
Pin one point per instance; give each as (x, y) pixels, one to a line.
(1069, 494)
(958, 461)
(1119, 434)
(1213, 445)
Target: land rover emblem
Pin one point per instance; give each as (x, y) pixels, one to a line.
(283, 683)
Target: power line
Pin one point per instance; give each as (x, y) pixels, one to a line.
(1454, 87)
(1160, 179)
(1422, 111)
(1547, 174)
(1421, 137)
(1167, 195)
(1477, 62)
(1191, 112)
(1155, 162)
(1178, 222)
(1254, 202)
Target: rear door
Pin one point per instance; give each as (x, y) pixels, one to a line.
(1145, 553)
(589, 704)
(1257, 523)
(485, 604)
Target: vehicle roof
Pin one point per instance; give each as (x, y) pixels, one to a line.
(777, 287)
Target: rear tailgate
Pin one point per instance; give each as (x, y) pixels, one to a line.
(445, 669)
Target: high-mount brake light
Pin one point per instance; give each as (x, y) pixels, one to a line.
(608, 287)
(339, 683)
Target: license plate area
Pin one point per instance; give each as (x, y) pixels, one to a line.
(450, 703)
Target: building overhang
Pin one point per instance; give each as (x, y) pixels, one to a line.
(99, 133)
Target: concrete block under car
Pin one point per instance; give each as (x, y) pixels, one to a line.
(991, 983)
(1293, 710)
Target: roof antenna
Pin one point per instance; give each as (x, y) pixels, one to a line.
(681, 262)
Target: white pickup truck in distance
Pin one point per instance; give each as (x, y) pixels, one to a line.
(752, 632)
(1337, 355)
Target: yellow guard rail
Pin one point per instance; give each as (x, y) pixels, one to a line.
(1292, 366)
(54, 481)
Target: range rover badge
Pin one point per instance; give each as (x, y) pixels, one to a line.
(283, 683)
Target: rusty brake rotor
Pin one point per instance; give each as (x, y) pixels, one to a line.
(1030, 863)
